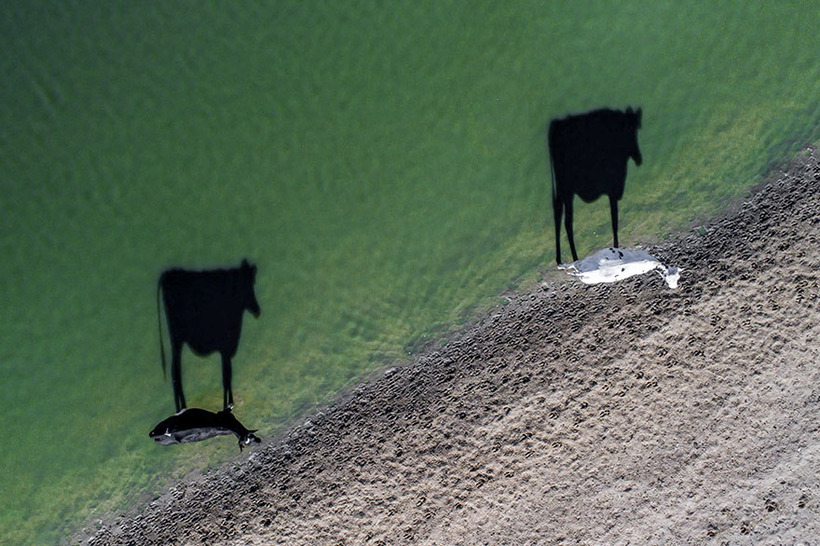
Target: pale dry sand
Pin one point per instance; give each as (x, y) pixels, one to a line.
(613, 414)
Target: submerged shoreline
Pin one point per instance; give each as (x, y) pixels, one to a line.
(589, 414)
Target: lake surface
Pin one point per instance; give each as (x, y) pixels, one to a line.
(384, 166)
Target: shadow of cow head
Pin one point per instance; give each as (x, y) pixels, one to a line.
(633, 120)
(248, 281)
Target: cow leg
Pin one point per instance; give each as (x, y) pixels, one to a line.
(227, 391)
(176, 375)
(556, 212)
(613, 207)
(568, 226)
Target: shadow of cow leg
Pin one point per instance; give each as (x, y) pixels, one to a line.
(557, 208)
(227, 390)
(568, 225)
(176, 375)
(613, 208)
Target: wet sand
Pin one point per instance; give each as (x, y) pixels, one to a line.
(608, 414)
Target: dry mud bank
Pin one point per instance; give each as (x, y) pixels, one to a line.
(626, 413)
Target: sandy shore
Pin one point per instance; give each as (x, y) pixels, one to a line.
(611, 414)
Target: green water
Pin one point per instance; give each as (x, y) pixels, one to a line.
(383, 164)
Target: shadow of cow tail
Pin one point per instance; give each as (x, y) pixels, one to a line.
(159, 327)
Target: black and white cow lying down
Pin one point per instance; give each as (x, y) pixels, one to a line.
(195, 425)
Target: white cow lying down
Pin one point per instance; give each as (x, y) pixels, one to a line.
(615, 264)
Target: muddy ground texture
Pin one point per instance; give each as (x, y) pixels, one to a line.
(625, 413)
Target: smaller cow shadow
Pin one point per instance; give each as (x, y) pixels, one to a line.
(588, 157)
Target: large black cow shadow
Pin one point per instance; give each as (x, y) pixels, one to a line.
(204, 309)
(588, 158)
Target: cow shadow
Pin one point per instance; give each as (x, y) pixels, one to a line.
(588, 156)
(204, 309)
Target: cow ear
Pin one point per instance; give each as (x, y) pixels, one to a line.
(629, 110)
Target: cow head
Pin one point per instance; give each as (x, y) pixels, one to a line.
(248, 439)
(248, 280)
(633, 123)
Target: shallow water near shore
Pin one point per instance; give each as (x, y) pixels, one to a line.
(621, 413)
(385, 168)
